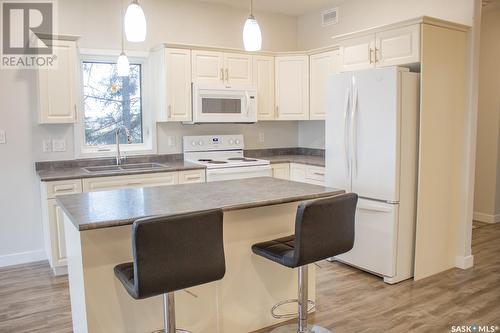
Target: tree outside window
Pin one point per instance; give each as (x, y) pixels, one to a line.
(111, 102)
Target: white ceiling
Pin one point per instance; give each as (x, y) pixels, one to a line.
(288, 7)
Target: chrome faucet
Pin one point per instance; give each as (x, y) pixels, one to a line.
(117, 139)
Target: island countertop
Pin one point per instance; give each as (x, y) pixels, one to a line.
(106, 209)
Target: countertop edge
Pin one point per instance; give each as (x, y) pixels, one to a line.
(118, 174)
(119, 223)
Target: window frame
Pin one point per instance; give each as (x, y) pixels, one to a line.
(148, 124)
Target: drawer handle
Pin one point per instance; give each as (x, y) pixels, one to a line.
(193, 177)
(319, 173)
(64, 188)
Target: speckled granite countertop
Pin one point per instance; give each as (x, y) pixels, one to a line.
(78, 172)
(106, 209)
(72, 169)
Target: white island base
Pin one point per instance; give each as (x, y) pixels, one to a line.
(238, 303)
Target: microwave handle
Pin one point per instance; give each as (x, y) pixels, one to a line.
(248, 102)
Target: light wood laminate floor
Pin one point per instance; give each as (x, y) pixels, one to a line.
(32, 300)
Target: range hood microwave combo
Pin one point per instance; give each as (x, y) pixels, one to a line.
(224, 104)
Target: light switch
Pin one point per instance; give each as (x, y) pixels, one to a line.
(47, 146)
(59, 145)
(3, 138)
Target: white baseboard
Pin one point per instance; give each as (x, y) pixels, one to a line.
(22, 258)
(481, 217)
(464, 262)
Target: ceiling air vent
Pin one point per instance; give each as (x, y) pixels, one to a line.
(329, 17)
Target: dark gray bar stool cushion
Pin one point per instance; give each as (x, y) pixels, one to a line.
(174, 252)
(323, 228)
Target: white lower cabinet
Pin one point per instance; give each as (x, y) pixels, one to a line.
(300, 173)
(53, 216)
(281, 170)
(192, 176)
(53, 224)
(307, 174)
(130, 181)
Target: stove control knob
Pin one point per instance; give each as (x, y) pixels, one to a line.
(193, 143)
(200, 143)
(231, 141)
(237, 141)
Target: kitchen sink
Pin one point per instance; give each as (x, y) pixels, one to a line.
(142, 166)
(123, 167)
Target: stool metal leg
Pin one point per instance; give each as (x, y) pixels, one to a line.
(169, 312)
(301, 325)
(169, 315)
(302, 297)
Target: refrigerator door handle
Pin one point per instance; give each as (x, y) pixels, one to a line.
(354, 128)
(346, 132)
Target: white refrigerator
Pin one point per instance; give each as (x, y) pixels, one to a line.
(371, 149)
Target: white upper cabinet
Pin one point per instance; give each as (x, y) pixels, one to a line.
(56, 86)
(238, 68)
(172, 84)
(221, 68)
(357, 53)
(292, 87)
(263, 76)
(207, 66)
(178, 85)
(398, 46)
(392, 47)
(321, 66)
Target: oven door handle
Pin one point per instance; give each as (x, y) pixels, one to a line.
(243, 169)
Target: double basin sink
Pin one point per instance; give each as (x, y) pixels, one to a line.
(125, 167)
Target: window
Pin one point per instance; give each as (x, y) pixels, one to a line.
(112, 104)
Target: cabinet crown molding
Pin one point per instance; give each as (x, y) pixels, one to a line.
(418, 20)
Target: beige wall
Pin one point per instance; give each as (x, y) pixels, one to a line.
(362, 14)
(487, 184)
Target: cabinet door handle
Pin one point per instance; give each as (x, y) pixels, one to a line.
(277, 111)
(63, 188)
(227, 75)
(169, 111)
(370, 55)
(222, 74)
(376, 53)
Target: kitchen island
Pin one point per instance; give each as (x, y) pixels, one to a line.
(98, 225)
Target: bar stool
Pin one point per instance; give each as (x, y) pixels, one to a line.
(172, 253)
(323, 228)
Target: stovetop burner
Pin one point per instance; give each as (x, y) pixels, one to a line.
(205, 160)
(244, 159)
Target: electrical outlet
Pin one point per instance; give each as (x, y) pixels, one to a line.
(261, 137)
(47, 146)
(171, 141)
(3, 138)
(59, 145)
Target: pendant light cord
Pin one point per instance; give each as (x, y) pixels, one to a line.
(121, 26)
(251, 7)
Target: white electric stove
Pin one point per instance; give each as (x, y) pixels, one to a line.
(223, 157)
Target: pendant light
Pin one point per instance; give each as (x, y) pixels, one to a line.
(135, 23)
(122, 64)
(252, 37)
